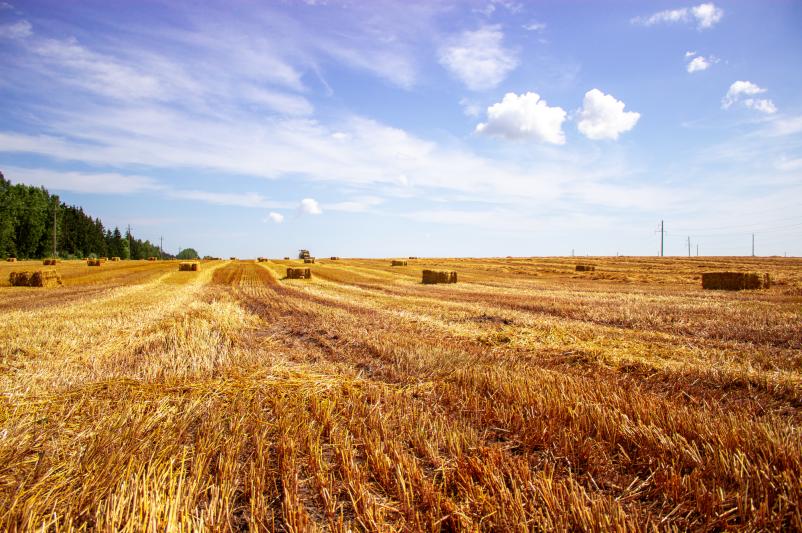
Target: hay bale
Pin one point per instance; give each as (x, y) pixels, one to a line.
(299, 273)
(38, 278)
(735, 281)
(439, 276)
(286, 258)
(309, 260)
(261, 259)
(115, 258)
(189, 266)
(12, 259)
(397, 263)
(233, 258)
(151, 258)
(94, 262)
(49, 262)
(412, 257)
(585, 268)
(335, 258)
(104, 258)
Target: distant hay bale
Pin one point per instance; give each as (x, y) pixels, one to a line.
(261, 259)
(38, 278)
(439, 276)
(94, 262)
(412, 257)
(49, 262)
(335, 258)
(12, 259)
(397, 263)
(233, 258)
(189, 266)
(735, 281)
(115, 258)
(585, 268)
(151, 258)
(309, 260)
(299, 273)
(104, 258)
(286, 258)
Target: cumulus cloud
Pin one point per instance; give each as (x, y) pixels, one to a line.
(704, 16)
(17, 30)
(699, 63)
(278, 218)
(740, 89)
(524, 116)
(478, 58)
(310, 206)
(603, 117)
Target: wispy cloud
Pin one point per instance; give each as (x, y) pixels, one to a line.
(704, 16)
(479, 58)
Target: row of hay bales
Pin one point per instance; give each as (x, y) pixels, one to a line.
(189, 266)
(38, 278)
(398, 263)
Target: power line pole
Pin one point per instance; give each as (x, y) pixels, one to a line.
(697, 249)
(129, 241)
(753, 245)
(689, 245)
(161, 243)
(55, 209)
(662, 235)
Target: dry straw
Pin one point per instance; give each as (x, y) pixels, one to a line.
(38, 278)
(585, 268)
(397, 263)
(299, 273)
(439, 276)
(189, 266)
(735, 281)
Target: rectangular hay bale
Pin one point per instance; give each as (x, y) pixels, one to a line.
(397, 263)
(299, 273)
(309, 260)
(151, 258)
(115, 258)
(94, 262)
(585, 268)
(49, 262)
(12, 259)
(735, 281)
(188, 266)
(439, 276)
(38, 278)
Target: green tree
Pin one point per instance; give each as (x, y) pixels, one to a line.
(188, 253)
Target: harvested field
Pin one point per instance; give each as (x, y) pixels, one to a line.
(528, 396)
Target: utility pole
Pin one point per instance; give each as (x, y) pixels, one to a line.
(55, 209)
(662, 235)
(753, 245)
(689, 245)
(161, 243)
(697, 249)
(129, 241)
(572, 252)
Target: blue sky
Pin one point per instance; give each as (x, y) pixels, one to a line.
(399, 128)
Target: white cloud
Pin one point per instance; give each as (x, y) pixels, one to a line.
(689, 54)
(534, 26)
(278, 218)
(761, 104)
(704, 15)
(284, 103)
(17, 30)
(524, 116)
(478, 58)
(707, 14)
(603, 117)
(359, 204)
(83, 182)
(310, 206)
(248, 199)
(741, 88)
(700, 63)
(470, 108)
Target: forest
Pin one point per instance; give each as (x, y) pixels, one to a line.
(26, 228)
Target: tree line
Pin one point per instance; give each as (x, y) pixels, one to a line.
(26, 228)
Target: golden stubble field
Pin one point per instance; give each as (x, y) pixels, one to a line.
(526, 397)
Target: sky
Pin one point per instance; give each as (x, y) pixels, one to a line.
(377, 129)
